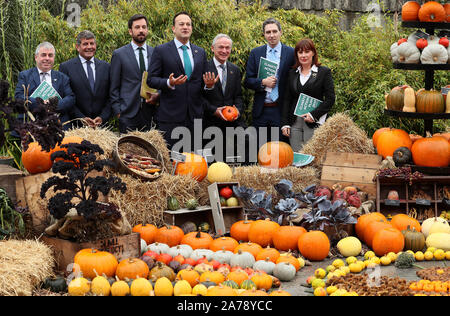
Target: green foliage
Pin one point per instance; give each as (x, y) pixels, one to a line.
(359, 58)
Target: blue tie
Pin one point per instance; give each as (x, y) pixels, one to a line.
(187, 62)
(90, 74)
(274, 93)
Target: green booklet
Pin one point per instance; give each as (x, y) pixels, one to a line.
(267, 68)
(306, 104)
(301, 160)
(45, 91)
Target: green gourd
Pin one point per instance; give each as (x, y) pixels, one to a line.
(172, 203)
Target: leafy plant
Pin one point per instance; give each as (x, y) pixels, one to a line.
(11, 217)
(81, 191)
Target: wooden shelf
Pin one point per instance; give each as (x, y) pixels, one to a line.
(421, 66)
(426, 25)
(415, 115)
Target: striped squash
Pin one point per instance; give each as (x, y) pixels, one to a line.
(430, 101)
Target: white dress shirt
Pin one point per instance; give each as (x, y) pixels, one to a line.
(219, 69)
(48, 76)
(136, 53)
(84, 64)
(178, 44)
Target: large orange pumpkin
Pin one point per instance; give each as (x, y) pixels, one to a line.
(268, 253)
(447, 11)
(388, 240)
(402, 221)
(410, 11)
(390, 140)
(377, 134)
(194, 165)
(432, 11)
(372, 228)
(224, 243)
(239, 230)
(197, 240)
(170, 235)
(430, 101)
(364, 220)
(93, 262)
(286, 238)
(65, 141)
(261, 232)
(431, 152)
(275, 155)
(36, 160)
(250, 247)
(314, 245)
(132, 268)
(147, 232)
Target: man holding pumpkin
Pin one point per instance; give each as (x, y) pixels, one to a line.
(225, 103)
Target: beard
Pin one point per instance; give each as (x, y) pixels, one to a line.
(140, 38)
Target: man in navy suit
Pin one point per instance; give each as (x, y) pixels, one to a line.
(127, 65)
(89, 80)
(177, 69)
(30, 79)
(266, 110)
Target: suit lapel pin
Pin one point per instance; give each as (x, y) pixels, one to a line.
(314, 74)
(196, 51)
(231, 72)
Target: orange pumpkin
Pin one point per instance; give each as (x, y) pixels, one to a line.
(147, 232)
(372, 228)
(65, 141)
(170, 235)
(92, 262)
(250, 247)
(237, 276)
(390, 140)
(132, 268)
(275, 155)
(388, 240)
(432, 11)
(290, 259)
(262, 281)
(212, 276)
(224, 243)
(239, 230)
(268, 253)
(364, 220)
(197, 240)
(286, 238)
(36, 160)
(377, 134)
(431, 152)
(446, 135)
(430, 101)
(189, 275)
(402, 221)
(414, 137)
(261, 232)
(447, 11)
(194, 166)
(410, 11)
(314, 245)
(230, 113)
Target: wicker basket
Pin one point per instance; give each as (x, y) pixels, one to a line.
(139, 146)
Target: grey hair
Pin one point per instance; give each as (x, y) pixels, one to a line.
(219, 36)
(84, 35)
(44, 45)
(271, 21)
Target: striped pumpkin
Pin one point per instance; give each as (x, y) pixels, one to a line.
(430, 101)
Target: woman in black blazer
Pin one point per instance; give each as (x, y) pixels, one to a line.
(309, 77)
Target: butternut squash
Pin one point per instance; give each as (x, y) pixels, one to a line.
(409, 103)
(447, 104)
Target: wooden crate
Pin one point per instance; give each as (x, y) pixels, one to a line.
(122, 247)
(197, 216)
(224, 216)
(8, 177)
(351, 169)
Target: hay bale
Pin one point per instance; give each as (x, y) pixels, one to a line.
(104, 137)
(338, 134)
(261, 178)
(24, 264)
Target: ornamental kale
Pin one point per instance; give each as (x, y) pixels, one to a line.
(81, 191)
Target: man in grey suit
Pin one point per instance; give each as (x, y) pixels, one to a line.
(127, 65)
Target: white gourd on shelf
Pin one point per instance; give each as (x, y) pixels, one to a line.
(434, 54)
(394, 53)
(408, 53)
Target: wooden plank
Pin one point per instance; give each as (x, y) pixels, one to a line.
(354, 160)
(8, 177)
(198, 216)
(348, 174)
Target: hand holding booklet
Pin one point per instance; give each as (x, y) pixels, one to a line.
(267, 68)
(306, 104)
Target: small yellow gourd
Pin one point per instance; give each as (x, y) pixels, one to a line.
(200, 289)
(79, 287)
(141, 287)
(182, 288)
(120, 288)
(163, 287)
(409, 100)
(100, 286)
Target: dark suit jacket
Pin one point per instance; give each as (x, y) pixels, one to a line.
(89, 103)
(252, 81)
(126, 78)
(318, 86)
(186, 101)
(216, 98)
(60, 83)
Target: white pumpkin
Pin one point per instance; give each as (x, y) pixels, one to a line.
(448, 52)
(394, 53)
(242, 259)
(143, 246)
(434, 54)
(223, 256)
(264, 265)
(408, 53)
(184, 250)
(439, 227)
(426, 225)
(200, 253)
(158, 247)
(439, 241)
(284, 271)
